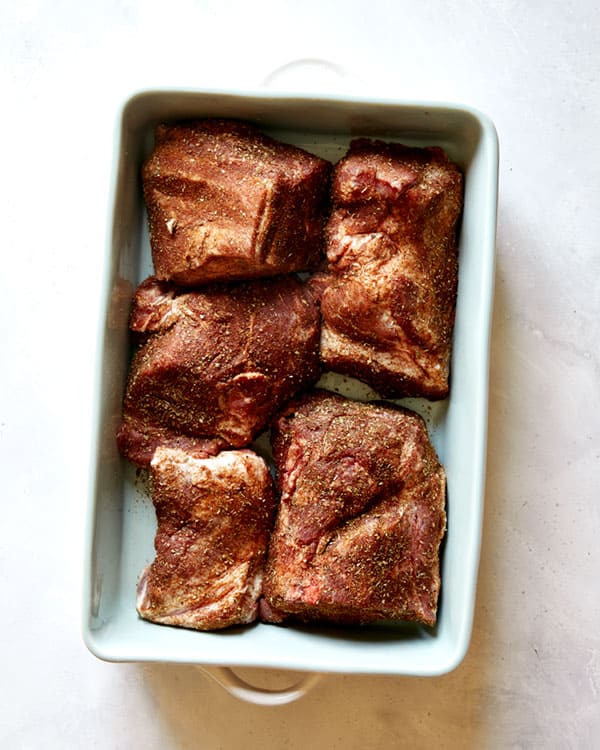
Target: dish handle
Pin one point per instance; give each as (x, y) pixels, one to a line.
(233, 683)
(310, 73)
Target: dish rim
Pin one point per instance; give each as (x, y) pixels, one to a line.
(490, 149)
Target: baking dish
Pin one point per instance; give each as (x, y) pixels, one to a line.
(121, 522)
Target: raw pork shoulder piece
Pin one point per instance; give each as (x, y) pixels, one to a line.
(226, 202)
(361, 514)
(388, 293)
(217, 363)
(214, 517)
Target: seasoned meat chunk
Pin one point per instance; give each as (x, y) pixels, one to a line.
(388, 292)
(216, 364)
(227, 202)
(214, 517)
(361, 515)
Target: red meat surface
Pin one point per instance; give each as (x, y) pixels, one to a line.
(214, 517)
(388, 291)
(216, 363)
(227, 202)
(361, 514)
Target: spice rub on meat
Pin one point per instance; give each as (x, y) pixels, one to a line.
(227, 202)
(214, 517)
(216, 363)
(361, 515)
(388, 292)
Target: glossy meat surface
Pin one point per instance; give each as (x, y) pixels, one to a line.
(215, 364)
(361, 514)
(227, 202)
(214, 517)
(388, 292)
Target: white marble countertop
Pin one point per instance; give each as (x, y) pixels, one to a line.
(531, 678)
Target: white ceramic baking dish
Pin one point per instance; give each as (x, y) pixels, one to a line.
(121, 520)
